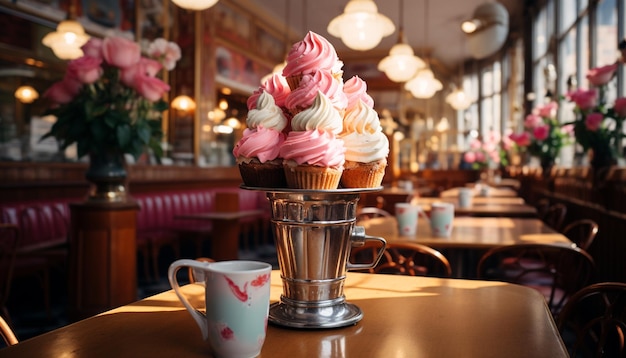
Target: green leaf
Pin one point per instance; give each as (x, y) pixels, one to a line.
(123, 135)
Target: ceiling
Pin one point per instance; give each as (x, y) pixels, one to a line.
(442, 25)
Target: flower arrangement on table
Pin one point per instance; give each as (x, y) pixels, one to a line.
(110, 99)
(599, 125)
(486, 153)
(543, 136)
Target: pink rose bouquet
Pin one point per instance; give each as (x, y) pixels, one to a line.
(598, 125)
(111, 98)
(486, 153)
(543, 136)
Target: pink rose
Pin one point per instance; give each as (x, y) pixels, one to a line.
(480, 156)
(620, 106)
(568, 129)
(93, 47)
(120, 52)
(601, 75)
(548, 111)
(469, 157)
(593, 121)
(476, 144)
(86, 69)
(584, 99)
(151, 88)
(64, 91)
(145, 67)
(495, 156)
(166, 52)
(521, 139)
(532, 121)
(541, 132)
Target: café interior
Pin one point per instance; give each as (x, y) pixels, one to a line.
(507, 115)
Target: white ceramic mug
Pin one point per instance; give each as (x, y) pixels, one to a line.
(237, 304)
(441, 218)
(466, 196)
(407, 215)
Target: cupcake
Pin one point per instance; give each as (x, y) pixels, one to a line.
(313, 53)
(320, 81)
(354, 89)
(313, 156)
(257, 152)
(275, 86)
(367, 148)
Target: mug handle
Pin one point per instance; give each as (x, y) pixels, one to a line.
(198, 316)
(358, 239)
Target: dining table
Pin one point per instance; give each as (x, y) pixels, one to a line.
(470, 237)
(403, 316)
(482, 206)
(491, 192)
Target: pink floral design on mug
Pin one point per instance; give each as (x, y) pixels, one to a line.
(406, 215)
(441, 218)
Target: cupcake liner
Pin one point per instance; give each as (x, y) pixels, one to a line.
(312, 177)
(363, 175)
(294, 81)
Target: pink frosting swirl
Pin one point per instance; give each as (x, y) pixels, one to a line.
(355, 88)
(314, 147)
(313, 53)
(276, 86)
(322, 81)
(259, 143)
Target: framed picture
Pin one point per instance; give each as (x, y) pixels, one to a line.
(108, 17)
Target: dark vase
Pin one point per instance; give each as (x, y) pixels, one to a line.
(601, 162)
(107, 173)
(546, 166)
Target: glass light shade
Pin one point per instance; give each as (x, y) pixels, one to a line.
(26, 94)
(195, 4)
(361, 27)
(458, 99)
(424, 84)
(401, 64)
(184, 103)
(67, 40)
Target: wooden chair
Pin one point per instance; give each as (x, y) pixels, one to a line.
(408, 258)
(195, 276)
(542, 208)
(593, 322)
(555, 216)
(582, 232)
(370, 212)
(9, 241)
(556, 271)
(7, 333)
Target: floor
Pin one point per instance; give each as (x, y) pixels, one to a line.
(30, 318)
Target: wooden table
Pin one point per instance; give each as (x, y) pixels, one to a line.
(482, 206)
(403, 317)
(225, 232)
(493, 192)
(470, 237)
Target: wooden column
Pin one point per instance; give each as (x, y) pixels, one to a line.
(103, 257)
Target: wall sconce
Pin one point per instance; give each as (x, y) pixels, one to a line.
(487, 29)
(361, 27)
(26, 94)
(184, 103)
(67, 40)
(195, 5)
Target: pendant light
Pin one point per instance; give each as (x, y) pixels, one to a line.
(69, 37)
(424, 84)
(458, 99)
(26, 94)
(361, 27)
(195, 5)
(401, 64)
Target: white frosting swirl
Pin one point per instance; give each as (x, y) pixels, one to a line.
(361, 119)
(366, 147)
(266, 114)
(321, 115)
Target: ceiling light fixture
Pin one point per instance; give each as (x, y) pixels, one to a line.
(26, 94)
(184, 103)
(361, 27)
(424, 84)
(69, 37)
(195, 5)
(487, 30)
(458, 99)
(401, 64)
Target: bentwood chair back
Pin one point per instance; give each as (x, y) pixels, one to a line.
(582, 232)
(371, 212)
(9, 241)
(555, 271)
(409, 258)
(7, 333)
(593, 322)
(555, 216)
